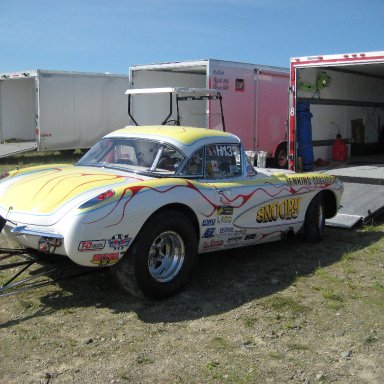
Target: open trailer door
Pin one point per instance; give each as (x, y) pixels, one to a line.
(341, 95)
(18, 113)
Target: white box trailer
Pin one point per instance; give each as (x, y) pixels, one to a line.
(342, 94)
(55, 110)
(254, 99)
(345, 94)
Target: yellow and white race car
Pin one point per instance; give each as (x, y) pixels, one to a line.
(148, 199)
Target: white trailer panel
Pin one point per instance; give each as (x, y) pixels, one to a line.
(55, 110)
(17, 109)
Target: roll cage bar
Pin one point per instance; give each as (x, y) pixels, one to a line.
(181, 94)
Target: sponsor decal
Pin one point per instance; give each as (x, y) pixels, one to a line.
(240, 232)
(208, 222)
(298, 181)
(213, 244)
(119, 242)
(226, 230)
(224, 220)
(284, 210)
(91, 245)
(209, 232)
(234, 239)
(324, 180)
(103, 259)
(225, 211)
(310, 180)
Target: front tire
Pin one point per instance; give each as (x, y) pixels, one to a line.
(314, 223)
(162, 257)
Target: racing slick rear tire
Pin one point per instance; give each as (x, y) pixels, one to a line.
(314, 223)
(162, 257)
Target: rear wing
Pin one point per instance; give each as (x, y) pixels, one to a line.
(181, 94)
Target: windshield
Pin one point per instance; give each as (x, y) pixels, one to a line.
(135, 155)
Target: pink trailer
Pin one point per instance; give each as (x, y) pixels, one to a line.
(254, 99)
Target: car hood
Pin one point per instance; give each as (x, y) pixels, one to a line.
(42, 191)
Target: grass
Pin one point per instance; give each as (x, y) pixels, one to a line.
(331, 299)
(298, 347)
(220, 343)
(379, 287)
(371, 338)
(30, 159)
(286, 304)
(275, 355)
(250, 321)
(275, 335)
(329, 294)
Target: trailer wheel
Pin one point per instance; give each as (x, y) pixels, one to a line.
(281, 156)
(314, 223)
(162, 257)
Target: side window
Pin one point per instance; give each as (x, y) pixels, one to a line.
(170, 159)
(194, 166)
(223, 161)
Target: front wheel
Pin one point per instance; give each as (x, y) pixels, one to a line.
(314, 223)
(162, 257)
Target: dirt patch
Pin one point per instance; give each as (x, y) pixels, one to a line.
(281, 312)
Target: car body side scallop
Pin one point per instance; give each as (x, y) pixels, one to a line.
(132, 206)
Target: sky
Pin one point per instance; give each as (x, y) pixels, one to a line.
(112, 35)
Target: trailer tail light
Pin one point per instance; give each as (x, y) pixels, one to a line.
(98, 199)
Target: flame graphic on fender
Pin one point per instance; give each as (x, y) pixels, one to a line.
(135, 189)
(237, 202)
(244, 198)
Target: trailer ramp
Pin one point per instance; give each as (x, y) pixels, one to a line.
(363, 197)
(9, 149)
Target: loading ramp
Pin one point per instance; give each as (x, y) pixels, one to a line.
(9, 149)
(363, 197)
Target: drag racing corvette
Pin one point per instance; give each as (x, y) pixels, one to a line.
(146, 200)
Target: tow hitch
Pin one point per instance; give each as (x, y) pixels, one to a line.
(20, 262)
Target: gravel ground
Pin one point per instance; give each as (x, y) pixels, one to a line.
(281, 312)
